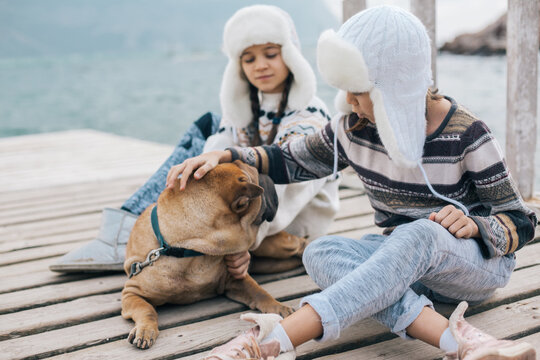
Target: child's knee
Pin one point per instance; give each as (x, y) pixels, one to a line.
(422, 232)
(316, 249)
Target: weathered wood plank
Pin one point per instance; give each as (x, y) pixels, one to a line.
(37, 229)
(35, 211)
(522, 88)
(362, 333)
(93, 156)
(30, 267)
(31, 197)
(85, 235)
(351, 223)
(38, 253)
(351, 7)
(56, 293)
(94, 307)
(83, 335)
(354, 207)
(83, 209)
(38, 279)
(203, 335)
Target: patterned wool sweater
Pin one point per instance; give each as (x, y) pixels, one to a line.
(462, 160)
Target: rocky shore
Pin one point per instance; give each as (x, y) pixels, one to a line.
(489, 41)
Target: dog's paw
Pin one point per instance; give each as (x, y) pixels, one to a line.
(278, 308)
(143, 336)
(285, 311)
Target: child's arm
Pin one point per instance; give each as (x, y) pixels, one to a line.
(455, 221)
(504, 221)
(307, 158)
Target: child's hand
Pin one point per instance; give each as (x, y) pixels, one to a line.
(238, 264)
(455, 221)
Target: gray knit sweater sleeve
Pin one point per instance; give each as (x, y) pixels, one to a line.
(303, 159)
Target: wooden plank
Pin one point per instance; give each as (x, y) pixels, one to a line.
(52, 294)
(114, 328)
(534, 340)
(529, 255)
(203, 335)
(73, 202)
(426, 12)
(93, 156)
(30, 267)
(38, 279)
(351, 7)
(51, 193)
(345, 193)
(38, 253)
(70, 313)
(351, 223)
(84, 235)
(522, 284)
(84, 209)
(362, 333)
(36, 229)
(96, 307)
(354, 207)
(522, 88)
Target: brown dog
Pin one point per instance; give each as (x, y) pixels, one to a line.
(216, 215)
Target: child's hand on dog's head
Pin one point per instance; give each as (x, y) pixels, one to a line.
(200, 164)
(455, 221)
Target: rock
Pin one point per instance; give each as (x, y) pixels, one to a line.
(489, 41)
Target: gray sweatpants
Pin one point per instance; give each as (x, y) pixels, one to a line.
(392, 278)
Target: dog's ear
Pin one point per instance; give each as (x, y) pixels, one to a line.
(270, 200)
(244, 196)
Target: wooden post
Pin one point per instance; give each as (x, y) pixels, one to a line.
(521, 97)
(351, 7)
(426, 11)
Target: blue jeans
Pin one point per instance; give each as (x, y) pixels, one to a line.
(392, 278)
(190, 145)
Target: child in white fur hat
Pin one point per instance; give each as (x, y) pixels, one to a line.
(400, 138)
(267, 96)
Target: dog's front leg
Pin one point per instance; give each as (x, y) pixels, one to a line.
(248, 292)
(145, 332)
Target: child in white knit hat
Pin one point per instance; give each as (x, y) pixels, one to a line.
(267, 96)
(416, 152)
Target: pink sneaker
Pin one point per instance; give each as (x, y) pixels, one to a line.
(247, 345)
(477, 345)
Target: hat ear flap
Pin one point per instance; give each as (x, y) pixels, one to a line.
(234, 96)
(341, 104)
(304, 86)
(244, 196)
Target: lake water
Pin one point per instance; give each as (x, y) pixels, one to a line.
(156, 95)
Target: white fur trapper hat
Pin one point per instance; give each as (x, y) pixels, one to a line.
(257, 25)
(385, 51)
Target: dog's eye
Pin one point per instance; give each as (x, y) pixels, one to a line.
(243, 179)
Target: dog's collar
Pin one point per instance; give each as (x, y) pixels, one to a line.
(169, 250)
(164, 249)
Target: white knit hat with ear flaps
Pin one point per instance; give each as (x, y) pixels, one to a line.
(257, 25)
(385, 51)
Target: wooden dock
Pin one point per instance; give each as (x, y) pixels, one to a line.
(52, 189)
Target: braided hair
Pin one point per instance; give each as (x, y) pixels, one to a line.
(256, 109)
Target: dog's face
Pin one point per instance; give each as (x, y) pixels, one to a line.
(220, 213)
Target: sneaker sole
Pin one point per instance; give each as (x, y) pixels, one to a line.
(519, 351)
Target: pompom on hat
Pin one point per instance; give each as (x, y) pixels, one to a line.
(257, 25)
(385, 51)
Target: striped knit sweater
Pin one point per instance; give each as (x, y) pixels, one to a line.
(462, 159)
